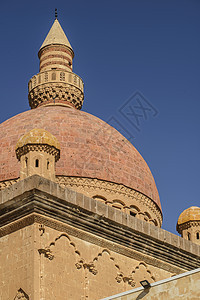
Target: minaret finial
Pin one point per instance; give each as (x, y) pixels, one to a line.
(56, 14)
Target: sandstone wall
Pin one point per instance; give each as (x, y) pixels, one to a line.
(58, 244)
(185, 286)
(77, 269)
(17, 262)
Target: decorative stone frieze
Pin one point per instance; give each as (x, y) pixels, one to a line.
(38, 148)
(6, 183)
(187, 225)
(115, 195)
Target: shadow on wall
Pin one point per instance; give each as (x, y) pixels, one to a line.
(144, 293)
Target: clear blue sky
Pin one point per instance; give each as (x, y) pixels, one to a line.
(122, 47)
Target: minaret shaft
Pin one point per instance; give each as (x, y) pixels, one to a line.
(55, 57)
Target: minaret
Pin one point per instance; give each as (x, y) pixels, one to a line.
(56, 84)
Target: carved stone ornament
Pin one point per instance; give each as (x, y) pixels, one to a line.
(187, 225)
(47, 253)
(79, 265)
(129, 280)
(126, 279)
(39, 148)
(89, 266)
(119, 277)
(21, 295)
(6, 183)
(62, 93)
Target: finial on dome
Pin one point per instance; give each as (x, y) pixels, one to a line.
(56, 14)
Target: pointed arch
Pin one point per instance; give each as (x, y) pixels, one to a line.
(72, 244)
(138, 274)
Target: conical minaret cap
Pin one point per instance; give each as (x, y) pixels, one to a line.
(56, 35)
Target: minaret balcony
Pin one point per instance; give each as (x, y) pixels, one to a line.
(56, 86)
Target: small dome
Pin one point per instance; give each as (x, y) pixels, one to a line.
(190, 214)
(38, 136)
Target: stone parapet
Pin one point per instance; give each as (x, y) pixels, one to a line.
(37, 197)
(116, 195)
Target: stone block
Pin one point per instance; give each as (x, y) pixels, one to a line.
(138, 224)
(70, 196)
(38, 182)
(7, 194)
(53, 187)
(175, 241)
(1, 197)
(111, 213)
(60, 192)
(132, 222)
(93, 205)
(102, 209)
(167, 237)
(125, 219)
(147, 228)
(161, 234)
(18, 188)
(187, 245)
(79, 199)
(86, 202)
(118, 216)
(181, 241)
(195, 248)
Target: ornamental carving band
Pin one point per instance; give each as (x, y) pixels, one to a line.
(56, 93)
(38, 147)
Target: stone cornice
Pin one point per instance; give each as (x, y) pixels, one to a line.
(186, 225)
(39, 148)
(37, 195)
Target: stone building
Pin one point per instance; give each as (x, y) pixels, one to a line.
(80, 212)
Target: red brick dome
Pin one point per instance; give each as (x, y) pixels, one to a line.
(89, 148)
